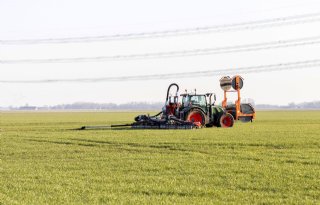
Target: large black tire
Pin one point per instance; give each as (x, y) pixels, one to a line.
(196, 115)
(226, 120)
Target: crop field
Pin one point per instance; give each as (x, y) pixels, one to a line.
(274, 160)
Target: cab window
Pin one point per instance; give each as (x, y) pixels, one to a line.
(198, 100)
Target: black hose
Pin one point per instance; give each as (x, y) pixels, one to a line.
(168, 91)
(179, 120)
(157, 114)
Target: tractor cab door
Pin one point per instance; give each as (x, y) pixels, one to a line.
(185, 101)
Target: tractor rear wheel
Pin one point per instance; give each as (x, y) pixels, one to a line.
(196, 115)
(226, 121)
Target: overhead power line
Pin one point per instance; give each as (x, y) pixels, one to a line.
(206, 73)
(181, 53)
(259, 24)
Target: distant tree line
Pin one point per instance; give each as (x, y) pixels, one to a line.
(108, 106)
(93, 106)
(304, 105)
(149, 106)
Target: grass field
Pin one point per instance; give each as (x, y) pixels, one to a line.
(275, 160)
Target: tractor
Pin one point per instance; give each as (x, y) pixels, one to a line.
(193, 111)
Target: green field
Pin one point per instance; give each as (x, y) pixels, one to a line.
(275, 160)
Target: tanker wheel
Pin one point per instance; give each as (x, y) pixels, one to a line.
(226, 120)
(196, 115)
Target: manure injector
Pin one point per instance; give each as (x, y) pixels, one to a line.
(244, 112)
(187, 111)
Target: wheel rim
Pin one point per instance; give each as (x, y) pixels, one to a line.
(195, 117)
(227, 121)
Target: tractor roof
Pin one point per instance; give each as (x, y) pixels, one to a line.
(193, 94)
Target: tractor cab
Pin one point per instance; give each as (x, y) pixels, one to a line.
(194, 100)
(203, 101)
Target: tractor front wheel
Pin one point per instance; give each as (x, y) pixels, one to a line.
(226, 121)
(196, 115)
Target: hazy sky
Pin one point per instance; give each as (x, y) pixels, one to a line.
(36, 19)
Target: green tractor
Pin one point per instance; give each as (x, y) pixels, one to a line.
(197, 108)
